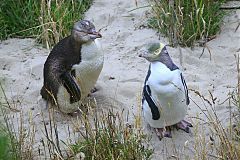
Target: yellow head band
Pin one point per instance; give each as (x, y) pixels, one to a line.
(157, 52)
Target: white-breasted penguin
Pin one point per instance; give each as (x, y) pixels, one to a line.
(73, 67)
(165, 93)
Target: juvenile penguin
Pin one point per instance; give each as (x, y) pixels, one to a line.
(165, 93)
(73, 67)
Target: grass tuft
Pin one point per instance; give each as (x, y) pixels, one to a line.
(109, 137)
(185, 22)
(47, 20)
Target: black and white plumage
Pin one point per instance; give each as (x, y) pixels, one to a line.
(165, 94)
(73, 67)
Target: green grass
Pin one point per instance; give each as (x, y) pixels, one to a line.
(47, 20)
(185, 22)
(4, 147)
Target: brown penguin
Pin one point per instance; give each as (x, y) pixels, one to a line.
(73, 67)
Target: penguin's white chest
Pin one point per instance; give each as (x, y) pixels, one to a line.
(87, 73)
(88, 70)
(168, 93)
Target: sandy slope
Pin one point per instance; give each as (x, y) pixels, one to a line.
(120, 83)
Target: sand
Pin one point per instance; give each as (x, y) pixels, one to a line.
(120, 83)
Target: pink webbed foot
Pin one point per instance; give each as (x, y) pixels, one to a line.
(163, 132)
(184, 125)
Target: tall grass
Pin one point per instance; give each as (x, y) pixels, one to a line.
(223, 141)
(46, 20)
(185, 22)
(104, 135)
(110, 137)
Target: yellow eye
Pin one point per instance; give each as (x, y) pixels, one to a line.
(157, 52)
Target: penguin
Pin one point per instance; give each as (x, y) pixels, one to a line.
(73, 67)
(165, 94)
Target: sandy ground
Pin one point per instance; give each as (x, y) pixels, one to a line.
(120, 83)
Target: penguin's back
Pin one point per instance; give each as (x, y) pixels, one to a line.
(61, 58)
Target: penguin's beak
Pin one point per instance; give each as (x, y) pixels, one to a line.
(142, 53)
(94, 34)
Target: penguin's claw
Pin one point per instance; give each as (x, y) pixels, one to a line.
(188, 123)
(94, 90)
(163, 133)
(168, 134)
(159, 132)
(184, 125)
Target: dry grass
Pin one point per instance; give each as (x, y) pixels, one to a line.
(105, 135)
(110, 137)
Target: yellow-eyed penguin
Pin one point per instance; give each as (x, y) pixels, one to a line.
(73, 67)
(165, 93)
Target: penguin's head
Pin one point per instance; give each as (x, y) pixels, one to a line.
(153, 51)
(84, 31)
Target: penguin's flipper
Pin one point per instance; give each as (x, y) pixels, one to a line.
(185, 89)
(71, 87)
(151, 103)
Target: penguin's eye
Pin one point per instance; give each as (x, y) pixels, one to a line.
(156, 52)
(87, 24)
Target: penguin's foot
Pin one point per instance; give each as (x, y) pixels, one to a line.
(163, 132)
(184, 125)
(94, 90)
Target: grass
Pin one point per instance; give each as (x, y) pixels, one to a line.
(109, 137)
(4, 147)
(221, 142)
(16, 140)
(47, 20)
(188, 21)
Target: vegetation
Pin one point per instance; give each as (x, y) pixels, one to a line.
(223, 141)
(16, 141)
(185, 22)
(111, 138)
(4, 147)
(46, 20)
(107, 136)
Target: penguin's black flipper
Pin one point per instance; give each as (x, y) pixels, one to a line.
(151, 103)
(185, 89)
(71, 86)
